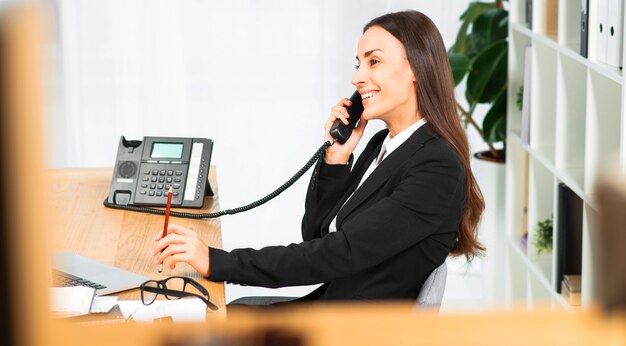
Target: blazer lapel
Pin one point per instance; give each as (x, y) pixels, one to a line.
(355, 181)
(385, 170)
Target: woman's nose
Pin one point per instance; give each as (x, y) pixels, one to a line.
(359, 77)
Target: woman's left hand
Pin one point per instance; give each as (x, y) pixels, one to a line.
(182, 245)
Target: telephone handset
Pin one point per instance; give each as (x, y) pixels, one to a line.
(340, 131)
(145, 170)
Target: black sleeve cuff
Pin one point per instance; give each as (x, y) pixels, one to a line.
(221, 264)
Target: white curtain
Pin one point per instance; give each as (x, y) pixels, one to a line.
(257, 77)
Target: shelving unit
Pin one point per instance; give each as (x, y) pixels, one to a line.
(576, 127)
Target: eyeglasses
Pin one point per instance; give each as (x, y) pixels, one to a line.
(175, 287)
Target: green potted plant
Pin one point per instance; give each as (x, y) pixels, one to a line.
(479, 57)
(543, 236)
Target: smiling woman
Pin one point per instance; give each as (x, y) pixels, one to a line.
(378, 229)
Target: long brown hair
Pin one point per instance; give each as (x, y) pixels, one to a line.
(436, 103)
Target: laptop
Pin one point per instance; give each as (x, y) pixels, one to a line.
(70, 269)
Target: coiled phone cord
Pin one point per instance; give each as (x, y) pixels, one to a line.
(252, 205)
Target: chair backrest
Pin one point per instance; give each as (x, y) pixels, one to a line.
(431, 293)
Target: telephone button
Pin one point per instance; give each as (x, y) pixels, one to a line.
(168, 180)
(170, 173)
(159, 193)
(154, 179)
(151, 193)
(162, 172)
(161, 179)
(143, 192)
(177, 180)
(176, 186)
(175, 194)
(179, 173)
(160, 186)
(167, 186)
(146, 179)
(155, 172)
(146, 173)
(144, 185)
(153, 186)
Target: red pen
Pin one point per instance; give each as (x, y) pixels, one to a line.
(167, 219)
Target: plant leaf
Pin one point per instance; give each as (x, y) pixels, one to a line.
(488, 28)
(494, 124)
(460, 65)
(462, 42)
(488, 74)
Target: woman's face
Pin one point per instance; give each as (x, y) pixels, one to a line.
(384, 77)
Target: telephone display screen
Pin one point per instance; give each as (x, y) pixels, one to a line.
(167, 150)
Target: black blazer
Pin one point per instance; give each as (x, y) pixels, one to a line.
(395, 230)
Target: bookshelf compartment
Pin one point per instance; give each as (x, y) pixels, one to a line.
(543, 100)
(570, 122)
(540, 208)
(603, 124)
(568, 234)
(517, 197)
(518, 42)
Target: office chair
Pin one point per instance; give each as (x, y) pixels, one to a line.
(431, 293)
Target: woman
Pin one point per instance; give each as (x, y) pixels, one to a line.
(375, 231)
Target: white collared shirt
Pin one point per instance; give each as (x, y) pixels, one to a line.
(389, 145)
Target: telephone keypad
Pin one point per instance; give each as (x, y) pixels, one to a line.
(156, 182)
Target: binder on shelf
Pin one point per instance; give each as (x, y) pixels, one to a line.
(529, 13)
(525, 130)
(615, 26)
(551, 20)
(584, 27)
(599, 30)
(569, 235)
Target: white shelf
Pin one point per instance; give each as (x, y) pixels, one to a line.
(538, 272)
(577, 127)
(570, 51)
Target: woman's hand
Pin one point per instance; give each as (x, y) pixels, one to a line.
(340, 153)
(182, 245)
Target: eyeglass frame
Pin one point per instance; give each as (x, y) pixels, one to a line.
(163, 290)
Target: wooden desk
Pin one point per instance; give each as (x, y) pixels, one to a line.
(122, 238)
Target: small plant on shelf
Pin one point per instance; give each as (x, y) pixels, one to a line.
(543, 236)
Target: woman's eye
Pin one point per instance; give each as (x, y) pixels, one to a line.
(356, 67)
(374, 62)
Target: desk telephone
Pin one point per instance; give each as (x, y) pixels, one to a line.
(145, 170)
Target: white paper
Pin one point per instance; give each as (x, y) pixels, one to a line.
(103, 304)
(71, 301)
(181, 310)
